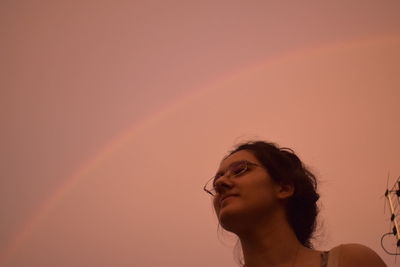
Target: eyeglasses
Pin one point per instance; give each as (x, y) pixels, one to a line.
(236, 169)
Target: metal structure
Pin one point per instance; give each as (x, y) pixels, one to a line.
(393, 198)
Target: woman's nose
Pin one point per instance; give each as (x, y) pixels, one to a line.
(222, 184)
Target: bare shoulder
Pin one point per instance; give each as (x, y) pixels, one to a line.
(357, 255)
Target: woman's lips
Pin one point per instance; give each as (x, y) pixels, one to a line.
(224, 199)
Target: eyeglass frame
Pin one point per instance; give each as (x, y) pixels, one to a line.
(215, 178)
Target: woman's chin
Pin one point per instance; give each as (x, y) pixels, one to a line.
(230, 218)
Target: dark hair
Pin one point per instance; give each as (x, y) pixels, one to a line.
(285, 167)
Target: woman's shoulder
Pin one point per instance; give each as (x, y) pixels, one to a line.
(356, 255)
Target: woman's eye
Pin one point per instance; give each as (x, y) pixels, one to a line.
(239, 170)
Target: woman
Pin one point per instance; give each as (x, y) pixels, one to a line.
(267, 197)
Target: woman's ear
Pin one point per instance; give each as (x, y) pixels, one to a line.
(284, 191)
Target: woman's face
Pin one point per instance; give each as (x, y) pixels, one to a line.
(246, 197)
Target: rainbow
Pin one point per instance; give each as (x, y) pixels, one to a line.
(127, 134)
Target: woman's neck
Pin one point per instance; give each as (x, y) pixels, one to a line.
(270, 244)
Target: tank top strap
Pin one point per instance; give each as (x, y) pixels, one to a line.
(331, 258)
(324, 258)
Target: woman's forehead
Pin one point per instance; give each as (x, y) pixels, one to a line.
(237, 156)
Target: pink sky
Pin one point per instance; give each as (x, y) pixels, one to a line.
(115, 113)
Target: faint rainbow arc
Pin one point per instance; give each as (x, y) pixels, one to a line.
(126, 134)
